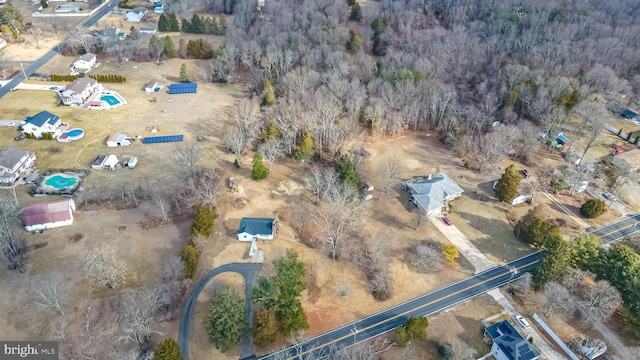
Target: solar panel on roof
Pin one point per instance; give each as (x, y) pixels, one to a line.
(162, 139)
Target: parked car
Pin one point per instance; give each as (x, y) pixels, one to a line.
(525, 173)
(19, 137)
(609, 196)
(523, 322)
(447, 221)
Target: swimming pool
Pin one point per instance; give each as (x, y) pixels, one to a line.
(110, 99)
(75, 134)
(61, 181)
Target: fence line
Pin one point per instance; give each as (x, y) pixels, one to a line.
(555, 337)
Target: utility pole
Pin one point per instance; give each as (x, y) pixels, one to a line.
(354, 331)
(22, 67)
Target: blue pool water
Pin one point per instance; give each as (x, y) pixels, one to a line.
(110, 99)
(75, 132)
(61, 182)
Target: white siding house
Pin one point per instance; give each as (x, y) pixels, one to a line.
(434, 193)
(42, 122)
(136, 14)
(13, 162)
(80, 91)
(84, 62)
(256, 228)
(46, 216)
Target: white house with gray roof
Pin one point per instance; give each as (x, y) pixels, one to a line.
(256, 228)
(42, 122)
(434, 193)
(84, 63)
(13, 162)
(80, 91)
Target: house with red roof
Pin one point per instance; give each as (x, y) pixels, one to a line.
(48, 215)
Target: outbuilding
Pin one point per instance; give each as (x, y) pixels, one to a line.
(256, 228)
(50, 215)
(118, 139)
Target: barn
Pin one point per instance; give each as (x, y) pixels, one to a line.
(49, 215)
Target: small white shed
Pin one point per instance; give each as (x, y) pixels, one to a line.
(111, 162)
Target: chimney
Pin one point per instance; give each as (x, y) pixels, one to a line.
(429, 178)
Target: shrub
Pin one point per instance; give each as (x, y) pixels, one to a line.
(203, 221)
(265, 328)
(593, 208)
(167, 349)
(259, 171)
(445, 351)
(450, 253)
(190, 257)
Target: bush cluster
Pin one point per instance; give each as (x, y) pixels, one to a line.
(202, 226)
(101, 78)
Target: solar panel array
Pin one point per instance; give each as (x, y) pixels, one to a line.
(183, 88)
(162, 139)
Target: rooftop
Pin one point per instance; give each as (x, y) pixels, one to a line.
(78, 85)
(87, 57)
(43, 117)
(46, 213)
(11, 156)
(256, 226)
(432, 192)
(513, 345)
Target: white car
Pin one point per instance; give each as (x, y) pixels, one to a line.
(523, 322)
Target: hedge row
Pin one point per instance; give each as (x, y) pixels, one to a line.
(202, 227)
(100, 78)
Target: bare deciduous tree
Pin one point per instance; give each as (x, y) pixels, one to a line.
(557, 300)
(186, 157)
(36, 35)
(323, 182)
(238, 143)
(593, 116)
(389, 172)
(12, 247)
(337, 220)
(173, 269)
(601, 300)
(104, 268)
(270, 151)
(50, 292)
(137, 313)
(4, 63)
(163, 206)
(428, 257)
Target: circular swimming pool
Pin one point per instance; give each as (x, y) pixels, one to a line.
(75, 134)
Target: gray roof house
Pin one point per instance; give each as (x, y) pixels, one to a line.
(508, 344)
(13, 162)
(256, 228)
(433, 193)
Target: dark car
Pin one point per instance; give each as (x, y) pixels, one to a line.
(525, 173)
(447, 221)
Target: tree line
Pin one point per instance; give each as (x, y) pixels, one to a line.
(106, 78)
(196, 25)
(619, 265)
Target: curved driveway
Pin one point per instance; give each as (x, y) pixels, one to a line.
(51, 53)
(250, 273)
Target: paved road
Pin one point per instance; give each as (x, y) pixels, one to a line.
(435, 301)
(35, 65)
(250, 272)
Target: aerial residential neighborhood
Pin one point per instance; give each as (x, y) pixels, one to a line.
(320, 179)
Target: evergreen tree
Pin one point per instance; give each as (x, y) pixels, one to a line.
(272, 132)
(172, 21)
(269, 96)
(184, 73)
(222, 25)
(163, 23)
(203, 221)
(265, 328)
(354, 43)
(507, 187)
(44, 4)
(293, 320)
(306, 147)
(169, 47)
(593, 208)
(347, 172)
(189, 256)
(414, 329)
(554, 262)
(227, 319)
(259, 171)
(167, 349)
(445, 351)
(186, 26)
(356, 12)
(197, 25)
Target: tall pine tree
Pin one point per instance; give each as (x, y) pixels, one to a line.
(269, 96)
(306, 147)
(163, 23)
(507, 187)
(259, 171)
(169, 47)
